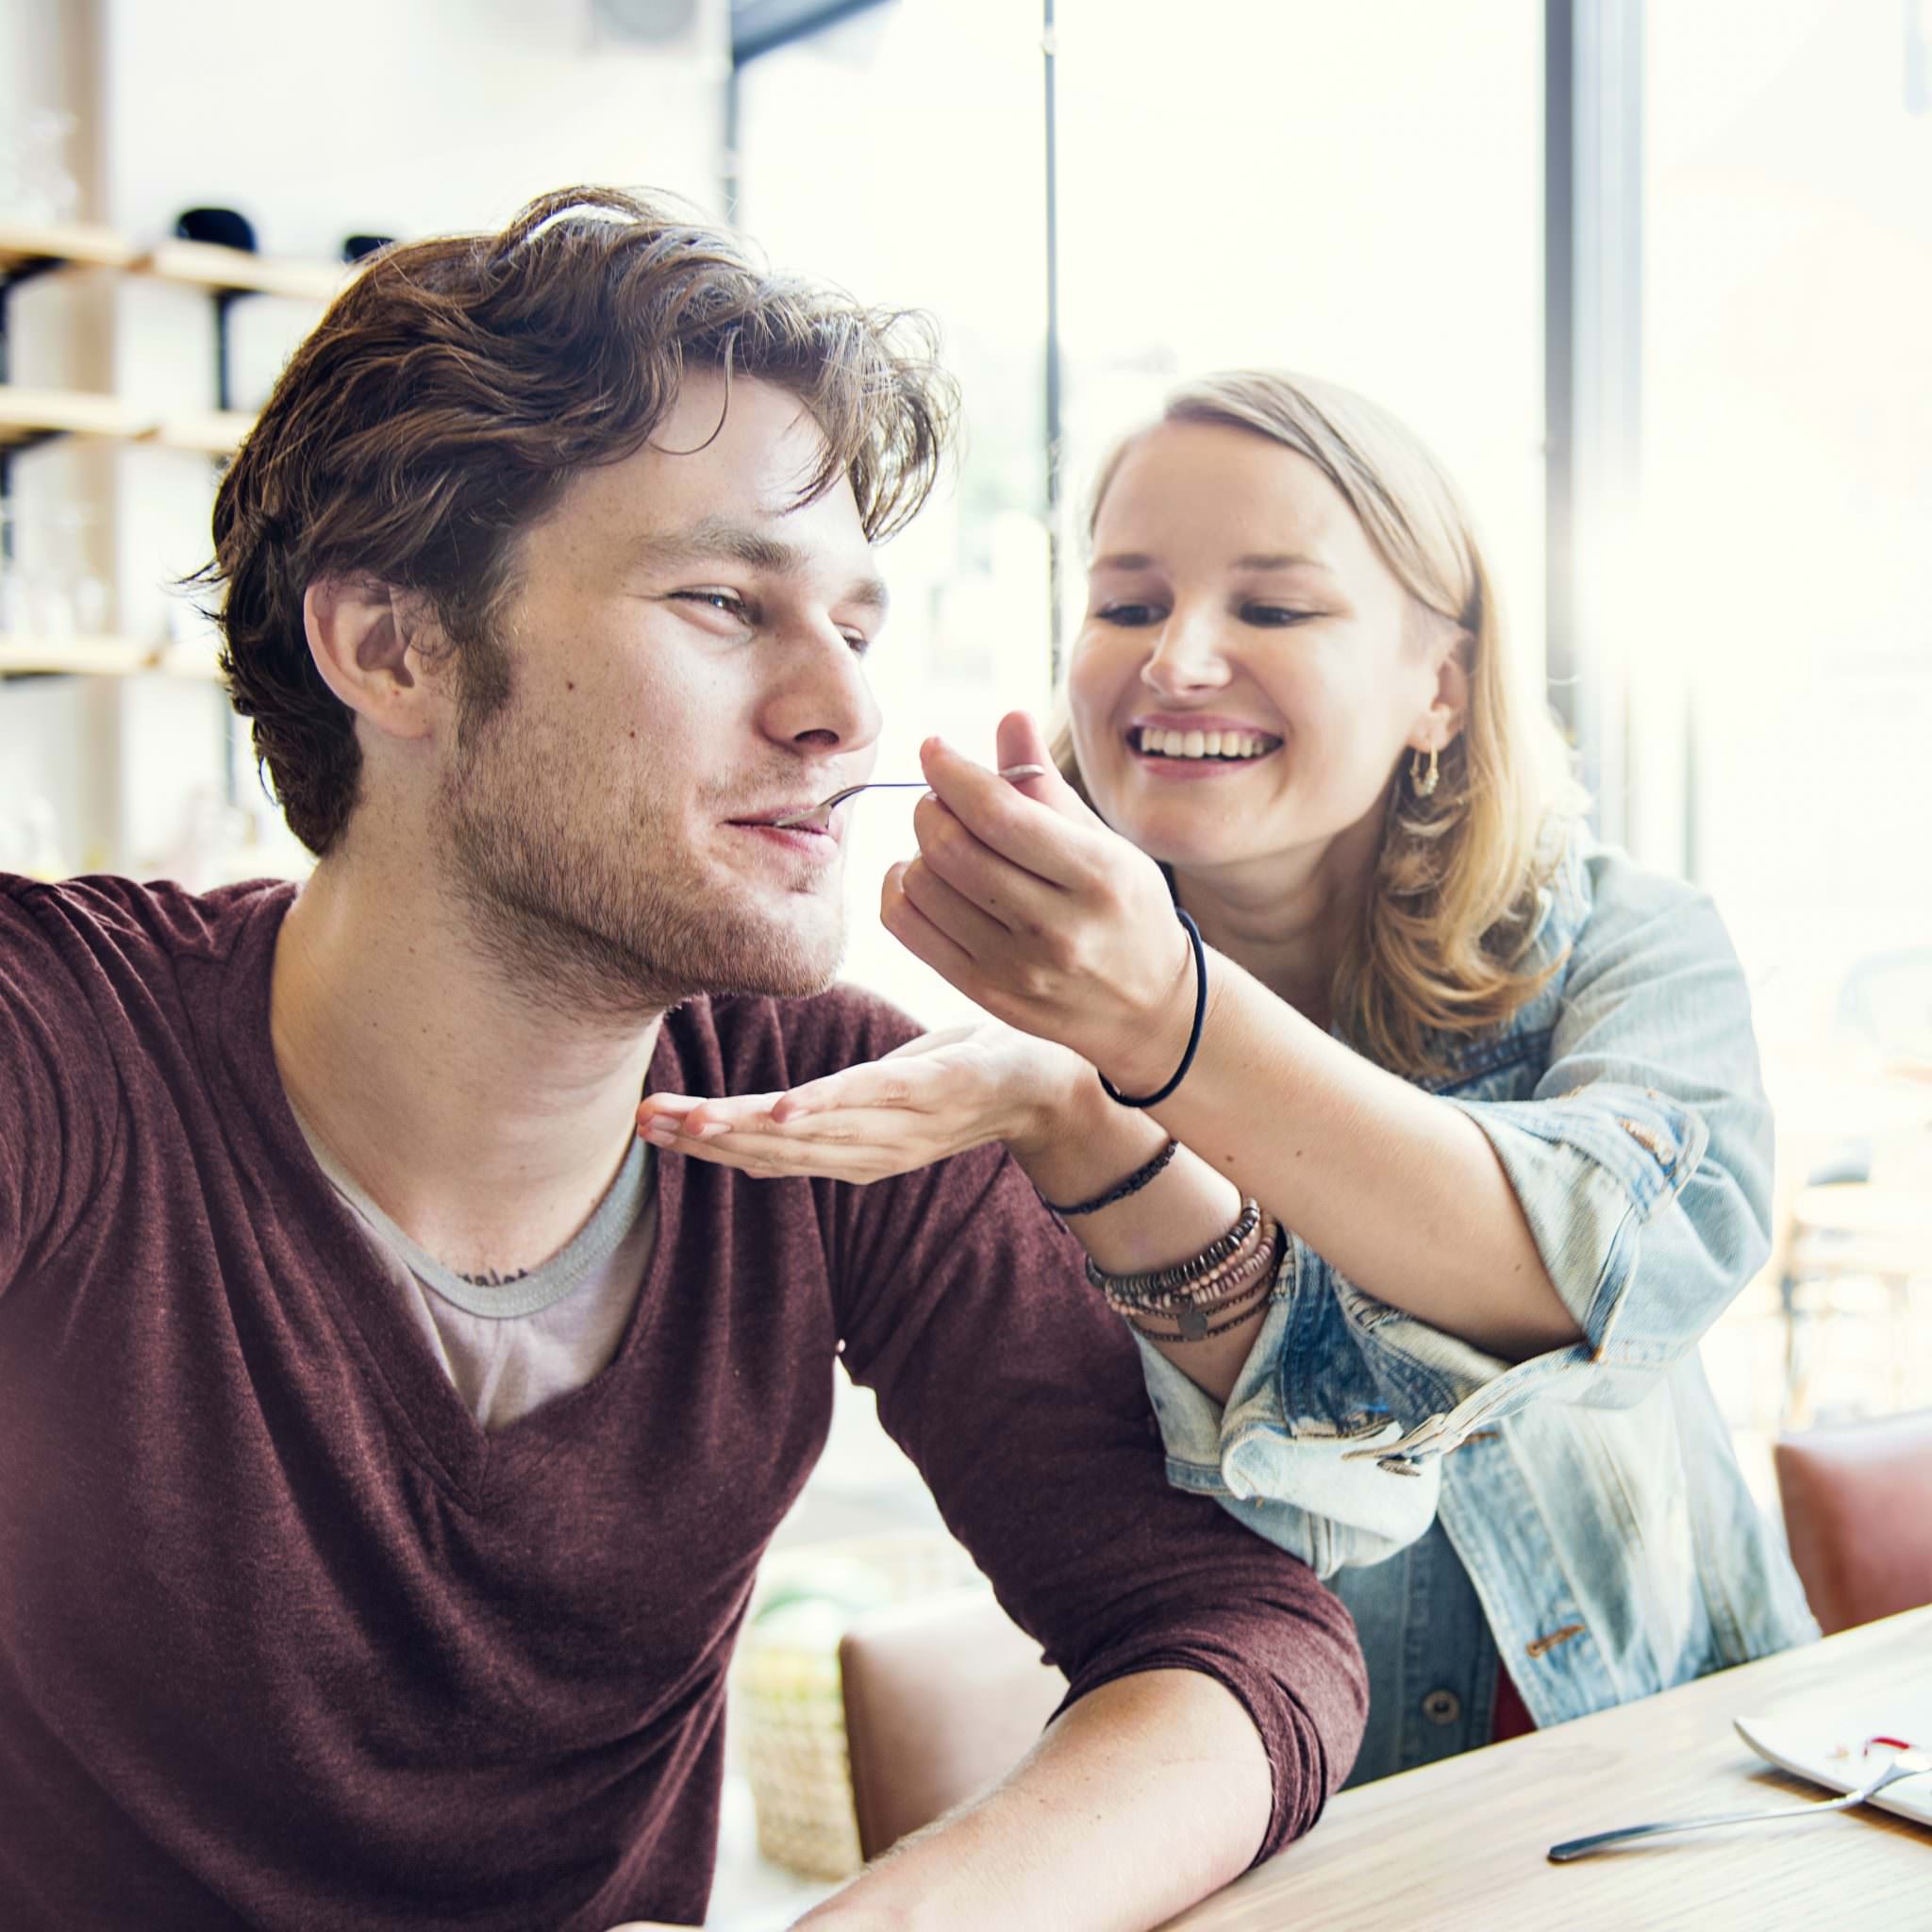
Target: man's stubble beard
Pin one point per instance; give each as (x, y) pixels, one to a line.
(590, 898)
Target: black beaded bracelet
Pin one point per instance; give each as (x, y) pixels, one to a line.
(1180, 1072)
(1158, 1282)
(1132, 1184)
(1194, 1325)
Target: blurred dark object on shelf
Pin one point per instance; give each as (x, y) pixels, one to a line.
(356, 246)
(223, 226)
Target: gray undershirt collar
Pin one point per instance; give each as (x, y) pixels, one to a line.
(543, 1286)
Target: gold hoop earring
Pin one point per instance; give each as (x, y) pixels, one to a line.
(1423, 781)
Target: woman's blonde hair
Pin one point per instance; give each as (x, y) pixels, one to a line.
(1445, 942)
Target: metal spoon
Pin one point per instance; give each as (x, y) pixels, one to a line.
(1906, 1764)
(819, 816)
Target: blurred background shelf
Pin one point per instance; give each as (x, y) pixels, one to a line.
(207, 432)
(104, 656)
(107, 657)
(30, 415)
(78, 245)
(204, 265)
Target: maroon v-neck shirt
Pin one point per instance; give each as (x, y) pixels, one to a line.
(288, 1641)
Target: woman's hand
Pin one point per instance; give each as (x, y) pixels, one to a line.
(936, 1095)
(1039, 912)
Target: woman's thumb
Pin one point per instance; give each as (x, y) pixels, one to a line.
(1021, 741)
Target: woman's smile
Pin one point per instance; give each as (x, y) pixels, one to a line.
(1182, 746)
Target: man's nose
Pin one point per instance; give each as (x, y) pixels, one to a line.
(1187, 656)
(823, 700)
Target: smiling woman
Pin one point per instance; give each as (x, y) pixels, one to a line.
(1469, 1146)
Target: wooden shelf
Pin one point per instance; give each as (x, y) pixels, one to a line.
(99, 656)
(203, 265)
(74, 243)
(26, 414)
(104, 657)
(207, 432)
(193, 661)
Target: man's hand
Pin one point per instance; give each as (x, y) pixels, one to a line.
(935, 1096)
(1041, 914)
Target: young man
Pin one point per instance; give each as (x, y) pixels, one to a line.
(389, 1436)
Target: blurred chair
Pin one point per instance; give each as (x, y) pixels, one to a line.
(942, 1697)
(1857, 1508)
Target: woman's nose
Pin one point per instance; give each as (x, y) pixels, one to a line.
(1187, 657)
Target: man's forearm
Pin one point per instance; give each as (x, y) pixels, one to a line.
(1148, 1794)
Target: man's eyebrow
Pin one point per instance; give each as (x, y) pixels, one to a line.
(721, 536)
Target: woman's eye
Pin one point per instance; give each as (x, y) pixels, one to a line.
(859, 640)
(1272, 616)
(1130, 616)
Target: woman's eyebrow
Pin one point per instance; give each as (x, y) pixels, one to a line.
(1285, 559)
(1279, 560)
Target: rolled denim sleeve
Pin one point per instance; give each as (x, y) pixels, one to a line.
(1644, 1159)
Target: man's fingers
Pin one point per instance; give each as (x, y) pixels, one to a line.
(871, 1084)
(856, 1147)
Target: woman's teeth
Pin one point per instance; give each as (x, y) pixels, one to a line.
(1204, 744)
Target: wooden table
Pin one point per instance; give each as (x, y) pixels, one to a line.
(1461, 1844)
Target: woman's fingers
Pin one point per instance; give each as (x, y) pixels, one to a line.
(1014, 899)
(921, 937)
(1028, 833)
(1019, 740)
(975, 930)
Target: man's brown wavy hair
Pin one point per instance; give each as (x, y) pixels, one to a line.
(456, 386)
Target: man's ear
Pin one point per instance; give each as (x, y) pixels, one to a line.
(360, 636)
(1441, 723)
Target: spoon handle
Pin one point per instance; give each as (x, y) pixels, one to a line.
(820, 813)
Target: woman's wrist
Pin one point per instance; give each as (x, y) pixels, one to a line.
(1146, 1045)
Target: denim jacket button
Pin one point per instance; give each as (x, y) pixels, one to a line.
(1442, 1706)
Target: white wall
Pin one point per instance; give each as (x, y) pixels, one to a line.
(397, 117)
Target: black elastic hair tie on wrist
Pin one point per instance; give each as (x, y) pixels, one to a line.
(1180, 1072)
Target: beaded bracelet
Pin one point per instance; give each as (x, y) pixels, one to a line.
(1194, 1325)
(1210, 1287)
(1132, 1184)
(1197, 1328)
(1206, 1289)
(1164, 1280)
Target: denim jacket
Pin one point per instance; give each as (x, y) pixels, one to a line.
(1590, 1493)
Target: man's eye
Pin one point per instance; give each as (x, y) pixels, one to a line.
(1130, 616)
(859, 640)
(722, 601)
(1272, 616)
